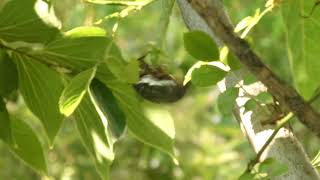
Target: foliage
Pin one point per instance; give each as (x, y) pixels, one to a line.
(58, 77)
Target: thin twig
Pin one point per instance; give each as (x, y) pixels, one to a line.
(214, 15)
(280, 124)
(315, 97)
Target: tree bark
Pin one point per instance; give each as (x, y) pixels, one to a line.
(285, 148)
(289, 99)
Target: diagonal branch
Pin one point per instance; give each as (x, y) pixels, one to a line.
(289, 99)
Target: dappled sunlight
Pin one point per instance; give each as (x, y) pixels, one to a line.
(47, 14)
(102, 150)
(97, 91)
(162, 118)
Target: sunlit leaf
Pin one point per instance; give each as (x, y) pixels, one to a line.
(108, 105)
(40, 87)
(201, 46)
(207, 75)
(303, 48)
(270, 3)
(223, 54)
(28, 20)
(86, 31)
(75, 91)
(140, 126)
(316, 160)
(250, 22)
(245, 22)
(27, 146)
(92, 128)
(187, 77)
(162, 118)
(72, 52)
(81, 49)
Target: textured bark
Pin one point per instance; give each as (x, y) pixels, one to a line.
(212, 12)
(206, 16)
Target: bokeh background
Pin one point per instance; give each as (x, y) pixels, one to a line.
(209, 146)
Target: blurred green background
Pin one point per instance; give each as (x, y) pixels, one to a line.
(209, 146)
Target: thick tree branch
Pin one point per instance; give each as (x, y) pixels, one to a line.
(287, 96)
(285, 148)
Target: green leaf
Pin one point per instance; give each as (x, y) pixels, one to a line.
(132, 71)
(249, 22)
(161, 117)
(92, 128)
(207, 75)
(250, 105)
(244, 23)
(41, 88)
(81, 49)
(140, 126)
(247, 176)
(188, 75)
(109, 106)
(8, 75)
(265, 98)
(116, 67)
(303, 47)
(28, 147)
(201, 46)
(5, 127)
(78, 53)
(316, 160)
(266, 164)
(86, 31)
(75, 91)
(233, 62)
(28, 20)
(126, 72)
(166, 10)
(249, 79)
(278, 169)
(272, 167)
(227, 100)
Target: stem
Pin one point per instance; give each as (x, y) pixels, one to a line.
(280, 124)
(215, 17)
(315, 97)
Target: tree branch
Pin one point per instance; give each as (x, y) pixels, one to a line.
(289, 99)
(280, 125)
(285, 148)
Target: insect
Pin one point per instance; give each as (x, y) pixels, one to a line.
(158, 86)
